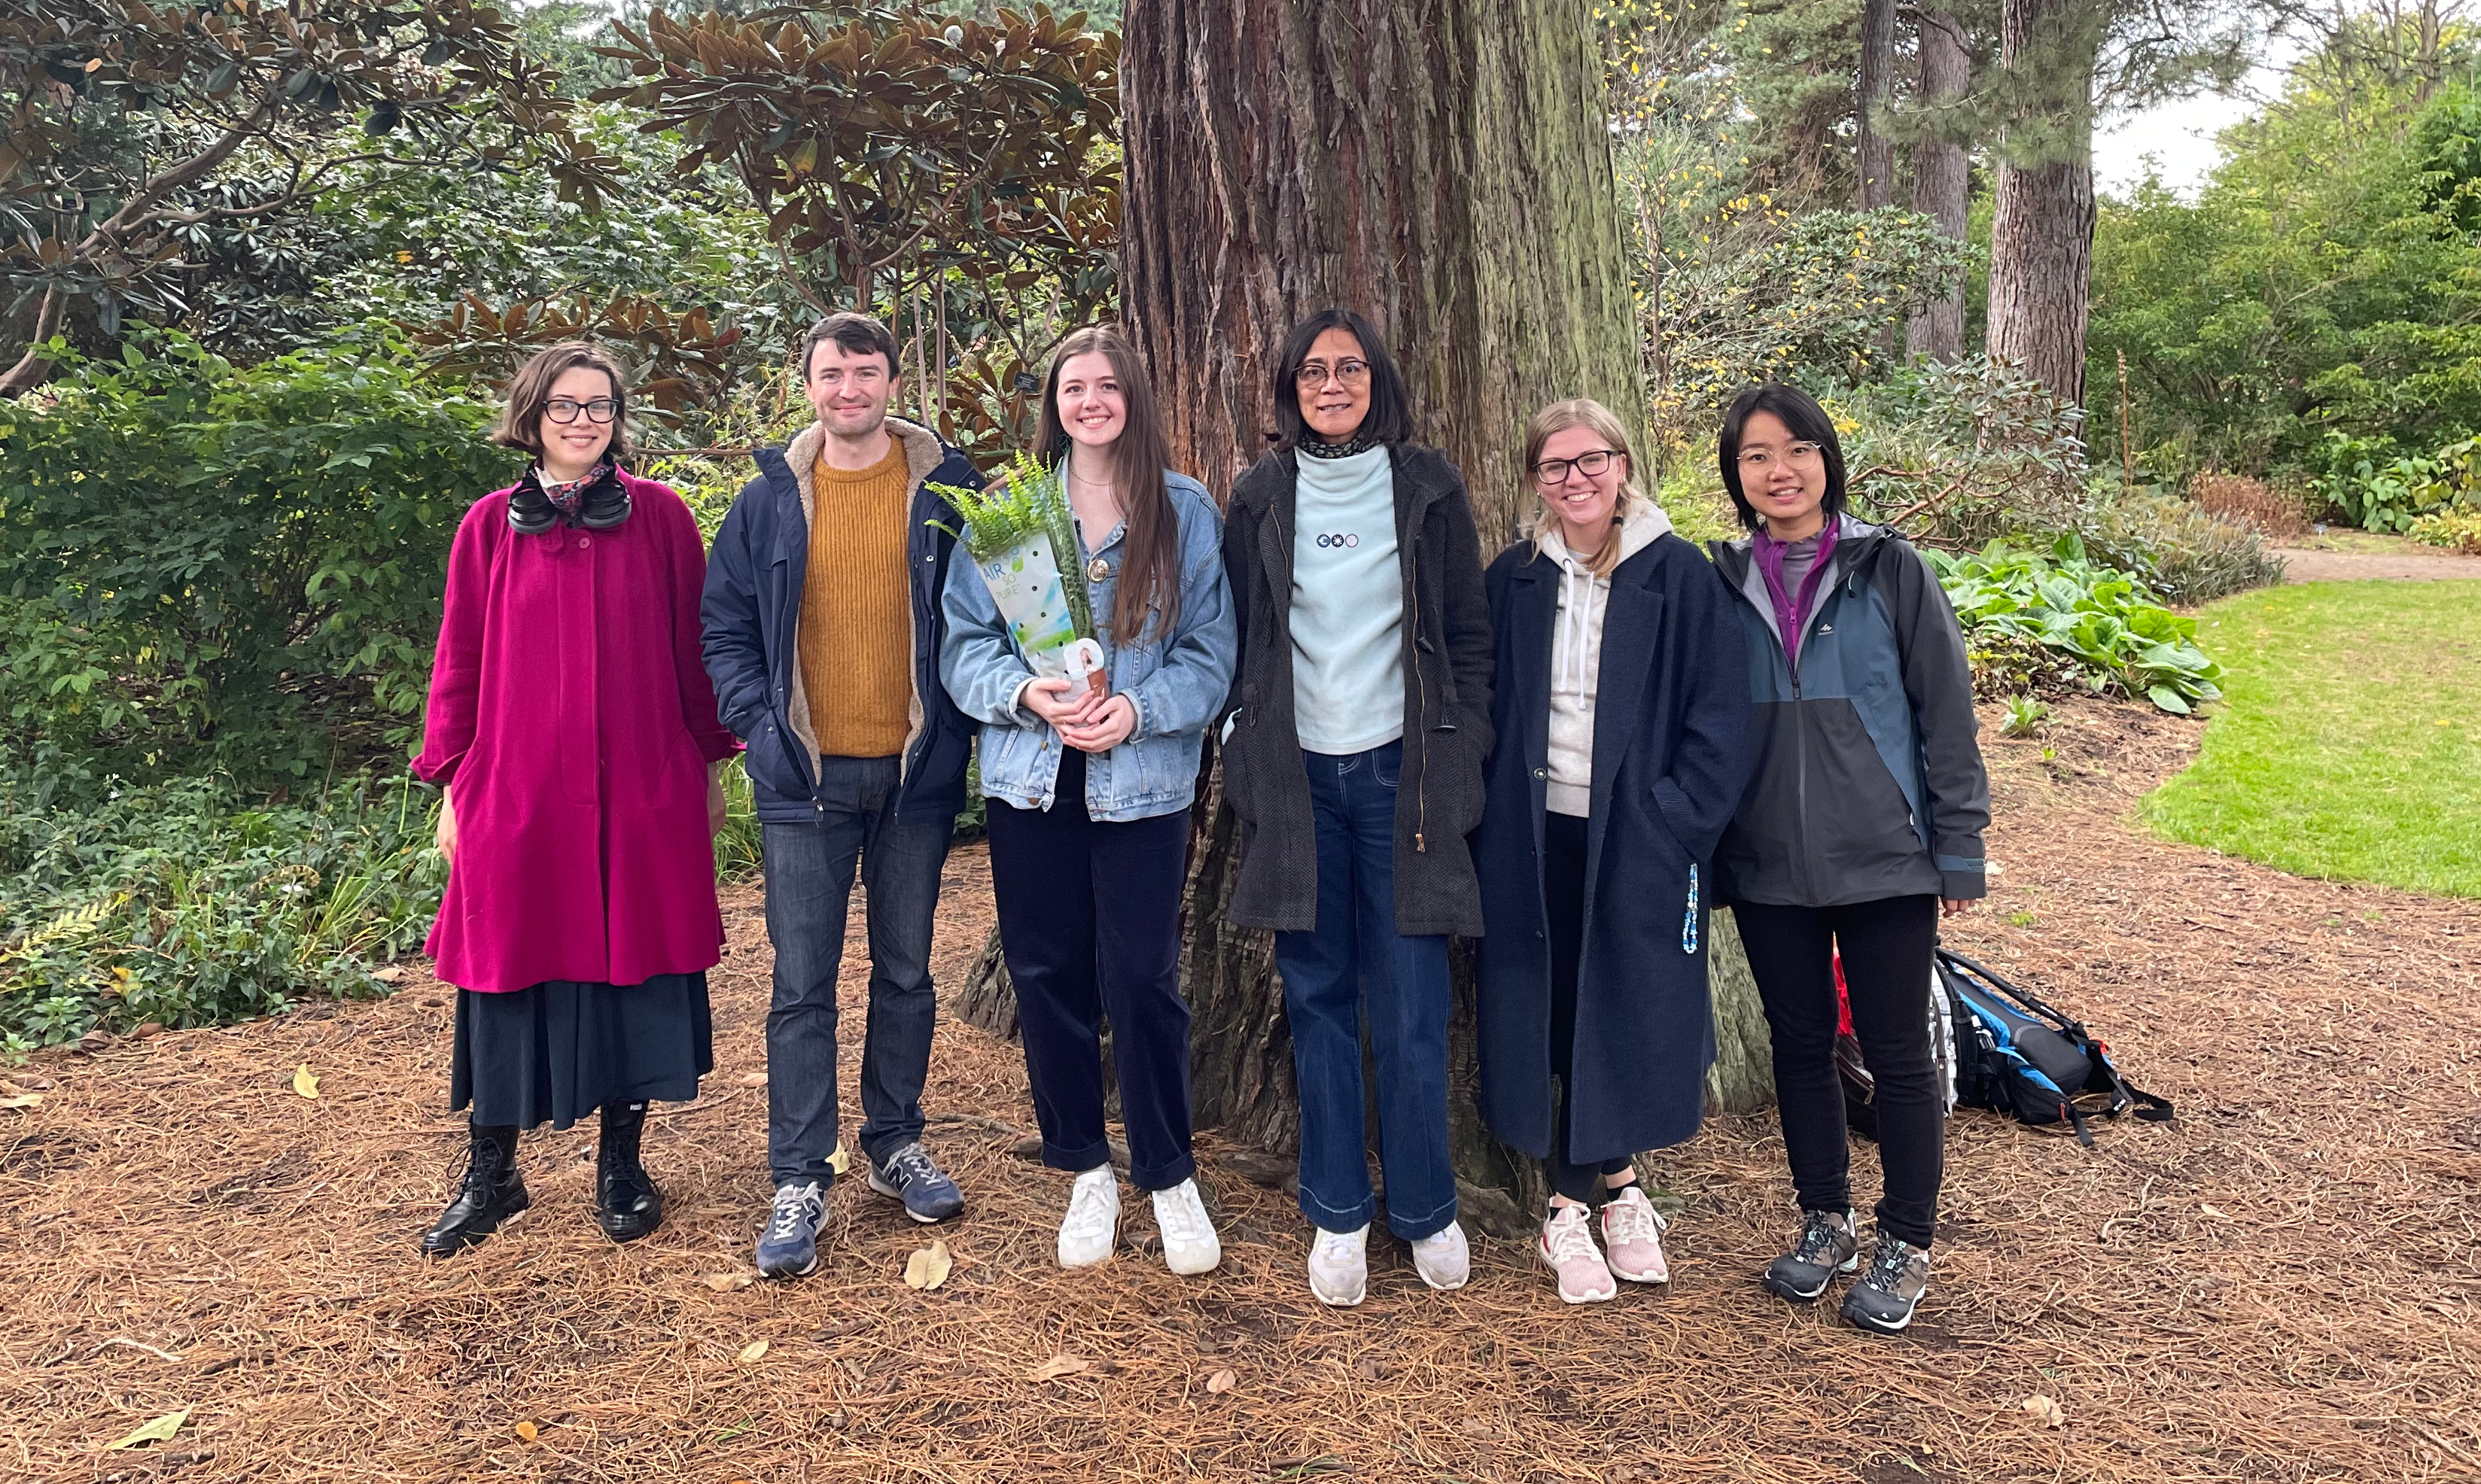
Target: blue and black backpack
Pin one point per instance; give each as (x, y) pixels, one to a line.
(2018, 1056)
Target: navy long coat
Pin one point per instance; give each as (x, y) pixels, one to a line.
(1671, 757)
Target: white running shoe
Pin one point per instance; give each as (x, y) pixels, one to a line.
(1340, 1266)
(1190, 1244)
(1568, 1250)
(1442, 1258)
(1092, 1225)
(1632, 1232)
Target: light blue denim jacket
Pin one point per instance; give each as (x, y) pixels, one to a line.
(1176, 687)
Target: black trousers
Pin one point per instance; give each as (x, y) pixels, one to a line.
(1089, 923)
(1563, 894)
(1887, 947)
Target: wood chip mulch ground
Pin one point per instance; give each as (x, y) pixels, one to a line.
(2280, 1286)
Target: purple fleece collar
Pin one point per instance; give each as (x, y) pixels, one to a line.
(1791, 611)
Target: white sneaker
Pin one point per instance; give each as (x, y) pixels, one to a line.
(1190, 1244)
(1442, 1258)
(1087, 1233)
(1340, 1266)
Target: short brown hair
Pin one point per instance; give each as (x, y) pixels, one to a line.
(530, 393)
(856, 334)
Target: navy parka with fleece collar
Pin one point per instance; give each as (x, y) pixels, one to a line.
(1669, 755)
(750, 618)
(1870, 782)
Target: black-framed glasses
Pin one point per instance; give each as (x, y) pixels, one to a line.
(1800, 455)
(1314, 375)
(1593, 464)
(563, 409)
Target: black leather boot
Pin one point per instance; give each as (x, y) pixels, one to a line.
(491, 1193)
(627, 1206)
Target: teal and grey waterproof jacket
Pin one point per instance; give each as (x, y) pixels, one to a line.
(1869, 781)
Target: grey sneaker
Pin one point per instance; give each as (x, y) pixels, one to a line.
(788, 1247)
(1828, 1243)
(1888, 1293)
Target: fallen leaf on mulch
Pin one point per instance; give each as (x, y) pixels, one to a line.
(1220, 1382)
(928, 1267)
(149, 1030)
(160, 1430)
(751, 1079)
(2216, 1214)
(752, 1351)
(1056, 1367)
(2050, 1411)
(840, 1161)
(304, 1082)
(94, 1041)
(528, 1431)
(20, 1099)
(392, 974)
(728, 1283)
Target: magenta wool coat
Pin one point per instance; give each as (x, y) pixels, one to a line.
(572, 721)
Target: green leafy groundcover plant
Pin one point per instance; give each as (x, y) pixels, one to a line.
(185, 904)
(2102, 617)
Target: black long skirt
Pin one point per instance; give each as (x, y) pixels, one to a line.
(555, 1052)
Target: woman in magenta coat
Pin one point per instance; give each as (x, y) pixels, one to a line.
(573, 730)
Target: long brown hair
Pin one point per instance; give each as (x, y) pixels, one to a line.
(1150, 571)
(530, 393)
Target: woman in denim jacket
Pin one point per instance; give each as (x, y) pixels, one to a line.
(1089, 798)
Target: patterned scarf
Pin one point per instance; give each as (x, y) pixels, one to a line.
(567, 498)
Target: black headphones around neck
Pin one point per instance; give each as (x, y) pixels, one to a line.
(602, 505)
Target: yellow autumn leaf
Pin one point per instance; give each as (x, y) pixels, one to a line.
(840, 1161)
(528, 1431)
(928, 1267)
(727, 1282)
(160, 1430)
(753, 1350)
(304, 1082)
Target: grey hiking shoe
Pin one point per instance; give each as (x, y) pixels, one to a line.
(1828, 1244)
(1888, 1293)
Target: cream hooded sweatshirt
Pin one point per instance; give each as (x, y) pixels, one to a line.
(1577, 652)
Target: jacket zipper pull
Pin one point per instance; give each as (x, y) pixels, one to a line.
(1420, 846)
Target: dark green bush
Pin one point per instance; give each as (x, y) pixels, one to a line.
(2177, 550)
(205, 566)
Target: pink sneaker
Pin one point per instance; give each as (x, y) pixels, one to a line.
(1568, 1246)
(1632, 1231)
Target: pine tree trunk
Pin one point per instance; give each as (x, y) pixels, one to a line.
(1873, 153)
(1942, 176)
(2041, 242)
(1442, 166)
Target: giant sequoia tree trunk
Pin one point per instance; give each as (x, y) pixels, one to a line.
(1941, 174)
(1443, 168)
(2041, 242)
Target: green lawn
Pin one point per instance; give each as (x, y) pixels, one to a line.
(2349, 744)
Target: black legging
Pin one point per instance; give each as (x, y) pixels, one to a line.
(1887, 947)
(1564, 892)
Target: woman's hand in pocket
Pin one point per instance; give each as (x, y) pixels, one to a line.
(446, 835)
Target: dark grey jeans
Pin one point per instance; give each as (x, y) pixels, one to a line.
(810, 870)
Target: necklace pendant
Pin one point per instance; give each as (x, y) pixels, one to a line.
(1097, 569)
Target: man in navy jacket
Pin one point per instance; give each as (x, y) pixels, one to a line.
(822, 631)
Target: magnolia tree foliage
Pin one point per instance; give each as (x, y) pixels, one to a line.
(908, 158)
(127, 124)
